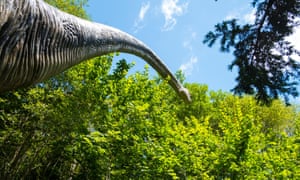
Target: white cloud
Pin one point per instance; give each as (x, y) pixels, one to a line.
(188, 67)
(232, 15)
(294, 39)
(188, 42)
(143, 11)
(250, 17)
(243, 14)
(170, 9)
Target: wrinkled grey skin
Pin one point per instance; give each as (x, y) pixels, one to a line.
(38, 41)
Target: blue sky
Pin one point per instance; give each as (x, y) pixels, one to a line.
(175, 29)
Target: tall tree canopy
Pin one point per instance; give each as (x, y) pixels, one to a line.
(262, 54)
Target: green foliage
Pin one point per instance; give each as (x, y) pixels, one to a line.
(99, 124)
(75, 7)
(262, 53)
(94, 123)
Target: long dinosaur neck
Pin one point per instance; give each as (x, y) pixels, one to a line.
(49, 41)
(107, 39)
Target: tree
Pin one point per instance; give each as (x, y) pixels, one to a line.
(75, 7)
(262, 54)
(104, 125)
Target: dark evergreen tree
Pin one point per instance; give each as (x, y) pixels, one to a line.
(262, 53)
